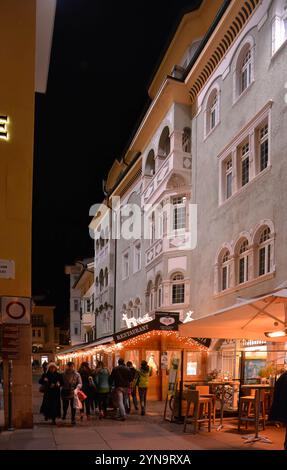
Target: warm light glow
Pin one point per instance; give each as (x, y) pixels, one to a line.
(255, 348)
(4, 121)
(275, 334)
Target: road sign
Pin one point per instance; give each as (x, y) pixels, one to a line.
(10, 342)
(16, 310)
(7, 269)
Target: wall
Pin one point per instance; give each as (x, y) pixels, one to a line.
(17, 34)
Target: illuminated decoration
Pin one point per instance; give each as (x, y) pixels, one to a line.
(181, 340)
(134, 343)
(188, 316)
(130, 322)
(4, 121)
(276, 334)
(109, 349)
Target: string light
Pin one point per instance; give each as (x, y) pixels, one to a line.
(183, 342)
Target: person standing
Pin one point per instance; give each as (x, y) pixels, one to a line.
(88, 388)
(120, 378)
(51, 382)
(71, 382)
(103, 387)
(132, 388)
(142, 380)
(278, 411)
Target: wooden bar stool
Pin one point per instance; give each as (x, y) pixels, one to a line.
(246, 405)
(198, 404)
(205, 392)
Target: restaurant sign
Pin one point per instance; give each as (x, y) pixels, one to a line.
(203, 341)
(132, 332)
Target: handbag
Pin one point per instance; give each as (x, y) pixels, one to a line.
(81, 395)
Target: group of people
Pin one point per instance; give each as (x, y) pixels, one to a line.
(93, 389)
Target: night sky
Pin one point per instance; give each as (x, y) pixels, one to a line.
(103, 57)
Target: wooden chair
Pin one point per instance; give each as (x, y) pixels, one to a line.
(198, 414)
(205, 392)
(246, 403)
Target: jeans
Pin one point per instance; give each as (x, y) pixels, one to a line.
(87, 405)
(103, 401)
(143, 393)
(121, 398)
(133, 394)
(66, 403)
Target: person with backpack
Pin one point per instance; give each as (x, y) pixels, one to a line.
(103, 388)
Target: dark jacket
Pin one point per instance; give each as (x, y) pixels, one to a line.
(278, 410)
(71, 381)
(120, 377)
(88, 386)
(51, 405)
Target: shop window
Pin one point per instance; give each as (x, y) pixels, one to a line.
(152, 358)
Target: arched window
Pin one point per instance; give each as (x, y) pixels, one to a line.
(101, 279)
(212, 110)
(264, 252)
(158, 292)
(225, 270)
(97, 246)
(106, 277)
(178, 288)
(164, 143)
(186, 140)
(150, 164)
(149, 297)
(246, 70)
(243, 261)
(137, 308)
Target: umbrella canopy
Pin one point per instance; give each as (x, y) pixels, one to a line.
(249, 319)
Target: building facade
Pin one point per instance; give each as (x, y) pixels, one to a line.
(206, 170)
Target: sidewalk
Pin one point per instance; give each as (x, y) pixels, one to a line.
(137, 432)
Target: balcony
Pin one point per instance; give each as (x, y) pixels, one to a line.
(179, 163)
(87, 319)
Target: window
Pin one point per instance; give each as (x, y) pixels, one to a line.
(137, 257)
(178, 289)
(106, 277)
(179, 213)
(149, 297)
(279, 27)
(264, 251)
(246, 70)
(243, 262)
(228, 178)
(33, 333)
(37, 320)
(164, 143)
(186, 140)
(212, 111)
(225, 270)
(150, 164)
(125, 266)
(159, 291)
(152, 228)
(263, 147)
(97, 285)
(101, 276)
(88, 305)
(245, 164)
(76, 305)
(75, 330)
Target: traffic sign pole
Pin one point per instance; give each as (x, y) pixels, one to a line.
(10, 396)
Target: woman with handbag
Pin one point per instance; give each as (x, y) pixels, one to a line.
(51, 381)
(88, 387)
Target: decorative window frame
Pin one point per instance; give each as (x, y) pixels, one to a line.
(137, 248)
(252, 237)
(249, 132)
(236, 67)
(279, 33)
(207, 130)
(125, 254)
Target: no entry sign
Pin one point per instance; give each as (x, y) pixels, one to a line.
(16, 310)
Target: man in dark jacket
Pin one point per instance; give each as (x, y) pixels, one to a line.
(120, 378)
(133, 388)
(278, 410)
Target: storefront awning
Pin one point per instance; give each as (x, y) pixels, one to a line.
(247, 319)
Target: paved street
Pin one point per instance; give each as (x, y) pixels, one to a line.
(137, 432)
